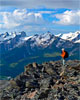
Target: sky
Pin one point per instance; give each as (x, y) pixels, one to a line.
(39, 16)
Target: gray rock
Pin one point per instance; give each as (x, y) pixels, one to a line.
(46, 79)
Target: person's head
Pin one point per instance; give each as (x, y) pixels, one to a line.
(62, 49)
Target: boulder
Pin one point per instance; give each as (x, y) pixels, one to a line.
(45, 81)
(35, 65)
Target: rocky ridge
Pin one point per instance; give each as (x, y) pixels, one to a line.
(45, 81)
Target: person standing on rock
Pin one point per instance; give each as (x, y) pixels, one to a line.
(64, 55)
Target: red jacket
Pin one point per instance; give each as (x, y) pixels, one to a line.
(63, 54)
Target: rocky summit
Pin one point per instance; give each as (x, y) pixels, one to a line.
(46, 81)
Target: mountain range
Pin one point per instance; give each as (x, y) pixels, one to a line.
(18, 49)
(74, 37)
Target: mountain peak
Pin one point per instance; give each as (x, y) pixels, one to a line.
(74, 37)
(49, 33)
(59, 35)
(6, 34)
(23, 34)
(44, 82)
(77, 32)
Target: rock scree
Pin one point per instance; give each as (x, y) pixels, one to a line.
(46, 81)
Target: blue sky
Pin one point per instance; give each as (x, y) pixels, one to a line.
(56, 16)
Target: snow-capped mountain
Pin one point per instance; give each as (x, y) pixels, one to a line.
(74, 37)
(42, 40)
(18, 49)
(8, 36)
(8, 41)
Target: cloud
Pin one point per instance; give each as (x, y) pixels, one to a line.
(20, 17)
(40, 20)
(47, 12)
(68, 18)
(8, 20)
(71, 4)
